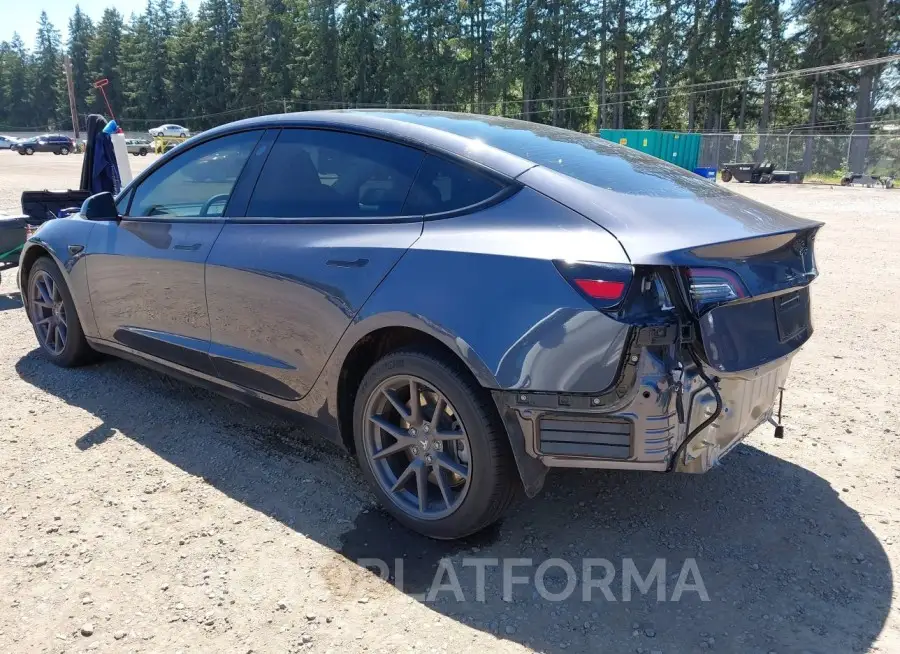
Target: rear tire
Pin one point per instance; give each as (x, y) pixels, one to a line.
(143, 152)
(456, 505)
(50, 301)
(29, 151)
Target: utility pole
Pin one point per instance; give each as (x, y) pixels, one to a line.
(73, 109)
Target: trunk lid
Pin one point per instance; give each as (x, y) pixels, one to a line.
(668, 219)
(662, 214)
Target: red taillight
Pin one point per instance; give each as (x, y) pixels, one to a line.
(712, 286)
(604, 284)
(601, 289)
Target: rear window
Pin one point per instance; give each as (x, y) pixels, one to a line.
(328, 174)
(583, 157)
(443, 186)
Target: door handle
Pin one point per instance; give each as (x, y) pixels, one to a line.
(75, 249)
(191, 247)
(341, 263)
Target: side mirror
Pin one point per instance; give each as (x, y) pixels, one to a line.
(101, 206)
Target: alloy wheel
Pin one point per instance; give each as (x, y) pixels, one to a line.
(48, 313)
(417, 447)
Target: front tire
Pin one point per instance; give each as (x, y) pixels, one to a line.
(430, 443)
(52, 313)
(64, 151)
(29, 151)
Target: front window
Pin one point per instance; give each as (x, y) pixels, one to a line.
(197, 183)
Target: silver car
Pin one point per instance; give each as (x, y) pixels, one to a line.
(138, 147)
(170, 130)
(465, 302)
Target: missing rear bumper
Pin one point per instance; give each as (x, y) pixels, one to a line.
(641, 426)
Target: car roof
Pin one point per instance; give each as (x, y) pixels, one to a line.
(389, 124)
(510, 147)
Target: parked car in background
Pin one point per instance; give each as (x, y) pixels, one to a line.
(55, 143)
(466, 301)
(7, 142)
(170, 130)
(138, 147)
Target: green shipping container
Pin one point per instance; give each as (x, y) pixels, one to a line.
(679, 148)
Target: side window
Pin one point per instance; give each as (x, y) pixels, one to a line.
(198, 182)
(327, 174)
(442, 185)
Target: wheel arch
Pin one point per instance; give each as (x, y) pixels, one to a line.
(375, 343)
(368, 341)
(72, 268)
(30, 255)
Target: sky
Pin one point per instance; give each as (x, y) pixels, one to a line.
(22, 16)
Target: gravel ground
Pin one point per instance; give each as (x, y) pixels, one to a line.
(138, 514)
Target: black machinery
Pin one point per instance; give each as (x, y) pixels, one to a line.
(755, 173)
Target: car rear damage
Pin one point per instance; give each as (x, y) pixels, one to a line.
(713, 328)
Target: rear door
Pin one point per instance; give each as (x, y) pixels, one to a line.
(146, 271)
(323, 226)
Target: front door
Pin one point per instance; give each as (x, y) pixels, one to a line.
(146, 271)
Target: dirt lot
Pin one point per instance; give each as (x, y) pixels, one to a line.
(138, 514)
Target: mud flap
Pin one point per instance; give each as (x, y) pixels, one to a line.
(531, 470)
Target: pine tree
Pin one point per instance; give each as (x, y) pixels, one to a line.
(359, 68)
(105, 62)
(250, 55)
(15, 85)
(48, 77)
(81, 34)
(214, 35)
(182, 48)
(322, 63)
(393, 57)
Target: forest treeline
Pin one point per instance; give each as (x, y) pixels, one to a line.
(580, 64)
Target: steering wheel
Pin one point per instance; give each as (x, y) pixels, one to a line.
(216, 198)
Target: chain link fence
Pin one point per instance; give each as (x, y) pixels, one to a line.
(813, 154)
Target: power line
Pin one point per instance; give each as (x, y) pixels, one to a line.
(681, 90)
(733, 82)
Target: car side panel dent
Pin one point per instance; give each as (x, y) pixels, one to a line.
(466, 270)
(487, 280)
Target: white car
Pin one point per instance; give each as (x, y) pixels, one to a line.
(7, 142)
(170, 130)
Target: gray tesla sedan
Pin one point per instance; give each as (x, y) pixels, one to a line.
(464, 301)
